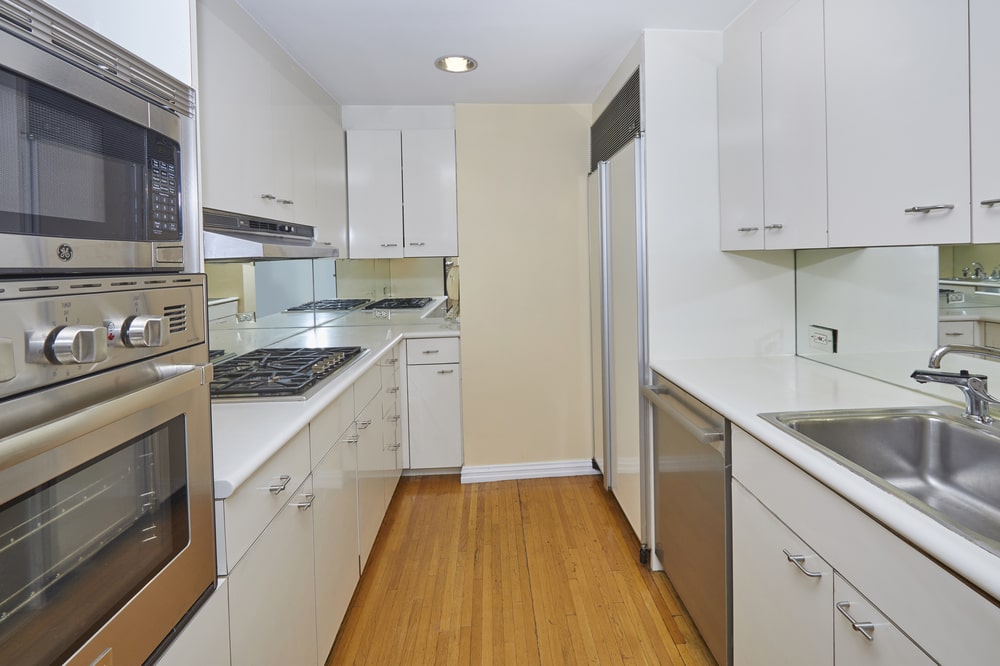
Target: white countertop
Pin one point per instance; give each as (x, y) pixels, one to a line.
(742, 388)
(246, 434)
(970, 312)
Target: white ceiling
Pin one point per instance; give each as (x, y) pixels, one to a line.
(529, 51)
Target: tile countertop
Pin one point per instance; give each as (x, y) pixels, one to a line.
(246, 434)
(742, 388)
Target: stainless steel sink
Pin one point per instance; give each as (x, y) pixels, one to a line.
(934, 458)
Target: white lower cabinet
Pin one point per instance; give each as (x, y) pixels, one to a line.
(770, 590)
(813, 574)
(434, 402)
(371, 500)
(272, 610)
(392, 431)
(335, 511)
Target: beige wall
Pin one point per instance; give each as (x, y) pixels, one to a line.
(522, 211)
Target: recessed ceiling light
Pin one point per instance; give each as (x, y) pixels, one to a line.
(456, 64)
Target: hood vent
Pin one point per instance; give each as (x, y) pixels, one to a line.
(233, 237)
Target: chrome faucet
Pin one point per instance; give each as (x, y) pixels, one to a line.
(978, 272)
(977, 397)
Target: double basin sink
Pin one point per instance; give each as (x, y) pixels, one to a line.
(935, 459)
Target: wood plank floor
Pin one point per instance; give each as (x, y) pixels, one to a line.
(540, 571)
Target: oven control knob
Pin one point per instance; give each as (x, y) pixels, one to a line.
(78, 345)
(145, 331)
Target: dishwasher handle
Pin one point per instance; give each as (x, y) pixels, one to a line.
(706, 436)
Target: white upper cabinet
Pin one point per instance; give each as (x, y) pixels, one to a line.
(897, 75)
(158, 32)
(402, 193)
(375, 194)
(794, 125)
(984, 50)
(271, 139)
(430, 216)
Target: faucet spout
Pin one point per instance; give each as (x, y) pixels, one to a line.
(973, 387)
(971, 350)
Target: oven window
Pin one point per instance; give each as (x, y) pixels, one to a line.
(68, 169)
(75, 550)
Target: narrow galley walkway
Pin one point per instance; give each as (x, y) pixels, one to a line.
(538, 572)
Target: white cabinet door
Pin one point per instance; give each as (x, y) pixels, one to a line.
(430, 217)
(898, 122)
(371, 501)
(435, 411)
(375, 194)
(984, 52)
(794, 127)
(865, 637)
(205, 639)
(781, 612)
(335, 519)
(741, 164)
(330, 218)
(272, 591)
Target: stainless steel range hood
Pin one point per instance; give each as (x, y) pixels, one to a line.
(233, 237)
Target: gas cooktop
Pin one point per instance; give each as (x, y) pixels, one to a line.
(330, 304)
(283, 373)
(398, 304)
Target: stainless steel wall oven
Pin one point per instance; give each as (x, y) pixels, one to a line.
(106, 523)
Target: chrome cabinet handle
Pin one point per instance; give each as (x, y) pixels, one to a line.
(953, 333)
(392, 361)
(775, 227)
(390, 244)
(362, 425)
(797, 560)
(278, 488)
(268, 197)
(305, 506)
(445, 372)
(746, 229)
(989, 203)
(432, 351)
(392, 389)
(864, 628)
(927, 209)
(394, 419)
(417, 244)
(285, 201)
(353, 439)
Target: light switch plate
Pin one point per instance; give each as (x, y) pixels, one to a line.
(823, 339)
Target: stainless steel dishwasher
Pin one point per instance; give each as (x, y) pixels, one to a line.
(691, 498)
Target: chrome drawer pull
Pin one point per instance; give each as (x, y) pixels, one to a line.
(864, 628)
(989, 203)
(445, 372)
(954, 333)
(362, 425)
(305, 506)
(353, 439)
(285, 201)
(268, 197)
(432, 351)
(797, 560)
(775, 227)
(746, 229)
(278, 488)
(394, 419)
(927, 209)
(395, 389)
(390, 244)
(417, 244)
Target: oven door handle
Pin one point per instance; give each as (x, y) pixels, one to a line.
(27, 444)
(708, 435)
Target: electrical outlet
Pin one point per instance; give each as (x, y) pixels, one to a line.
(955, 297)
(823, 339)
(381, 314)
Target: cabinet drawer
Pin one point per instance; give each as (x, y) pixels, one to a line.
(367, 387)
(896, 577)
(957, 333)
(328, 426)
(248, 511)
(432, 350)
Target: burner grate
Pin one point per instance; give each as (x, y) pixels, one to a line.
(399, 304)
(278, 372)
(330, 304)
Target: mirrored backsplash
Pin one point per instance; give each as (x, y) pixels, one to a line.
(882, 311)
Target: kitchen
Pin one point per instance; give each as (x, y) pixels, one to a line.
(746, 303)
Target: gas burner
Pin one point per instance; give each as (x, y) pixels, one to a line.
(279, 372)
(330, 304)
(398, 304)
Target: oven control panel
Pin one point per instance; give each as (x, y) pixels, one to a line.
(63, 329)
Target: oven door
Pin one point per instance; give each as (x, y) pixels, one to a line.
(106, 524)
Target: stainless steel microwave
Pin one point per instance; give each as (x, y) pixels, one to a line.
(90, 173)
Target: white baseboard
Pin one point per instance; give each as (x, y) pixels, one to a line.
(483, 473)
